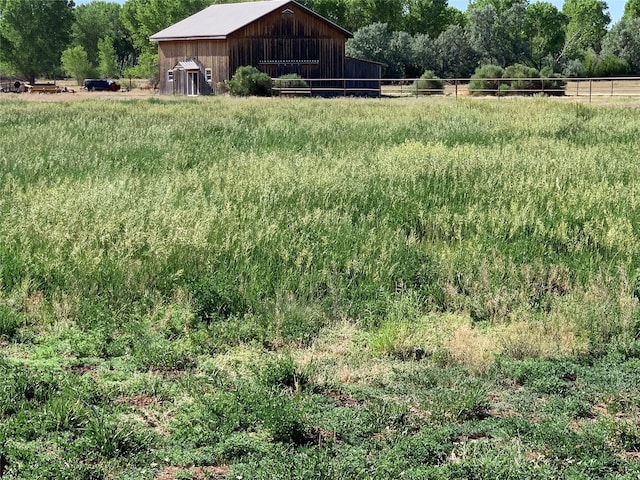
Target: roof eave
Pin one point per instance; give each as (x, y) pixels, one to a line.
(186, 38)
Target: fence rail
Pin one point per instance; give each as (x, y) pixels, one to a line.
(499, 87)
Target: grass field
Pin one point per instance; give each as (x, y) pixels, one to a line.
(304, 288)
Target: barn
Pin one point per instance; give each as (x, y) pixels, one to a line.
(276, 36)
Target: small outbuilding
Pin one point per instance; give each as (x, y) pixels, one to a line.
(276, 36)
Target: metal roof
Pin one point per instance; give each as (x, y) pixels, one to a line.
(219, 21)
(188, 65)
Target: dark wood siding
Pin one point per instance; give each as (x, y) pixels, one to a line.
(369, 72)
(288, 40)
(297, 42)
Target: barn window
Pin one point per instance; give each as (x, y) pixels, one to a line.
(170, 76)
(208, 75)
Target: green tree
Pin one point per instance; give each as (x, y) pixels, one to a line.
(33, 34)
(248, 80)
(587, 25)
(430, 17)
(377, 43)
(499, 36)
(361, 13)
(76, 63)
(333, 10)
(455, 56)
(146, 67)
(546, 32)
(108, 64)
(623, 42)
(423, 53)
(400, 62)
(456, 17)
(99, 19)
(143, 18)
(370, 43)
(501, 6)
(631, 9)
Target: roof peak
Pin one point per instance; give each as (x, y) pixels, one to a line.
(220, 20)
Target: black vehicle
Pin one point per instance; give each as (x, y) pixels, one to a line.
(92, 84)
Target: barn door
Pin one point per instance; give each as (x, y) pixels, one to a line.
(193, 84)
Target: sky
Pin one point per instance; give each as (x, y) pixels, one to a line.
(616, 7)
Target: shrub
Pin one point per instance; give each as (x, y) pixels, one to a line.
(551, 81)
(523, 80)
(290, 80)
(222, 88)
(428, 84)
(249, 81)
(603, 65)
(486, 80)
(282, 373)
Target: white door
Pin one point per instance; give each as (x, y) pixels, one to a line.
(192, 84)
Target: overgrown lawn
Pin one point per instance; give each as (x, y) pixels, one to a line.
(305, 288)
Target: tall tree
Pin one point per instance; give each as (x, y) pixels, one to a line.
(376, 42)
(361, 13)
(370, 43)
(423, 54)
(631, 9)
(76, 63)
(500, 36)
(623, 42)
(100, 19)
(426, 16)
(333, 10)
(143, 18)
(501, 6)
(108, 60)
(546, 32)
(588, 21)
(455, 56)
(33, 34)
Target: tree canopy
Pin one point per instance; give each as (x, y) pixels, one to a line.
(33, 34)
(631, 9)
(407, 36)
(588, 21)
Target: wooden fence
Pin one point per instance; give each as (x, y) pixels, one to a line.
(499, 87)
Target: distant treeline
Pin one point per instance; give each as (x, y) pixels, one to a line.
(106, 39)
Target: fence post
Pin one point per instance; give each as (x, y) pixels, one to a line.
(590, 89)
(456, 84)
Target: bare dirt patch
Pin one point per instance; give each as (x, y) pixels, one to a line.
(72, 92)
(79, 95)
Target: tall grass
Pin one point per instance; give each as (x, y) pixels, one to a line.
(375, 289)
(523, 208)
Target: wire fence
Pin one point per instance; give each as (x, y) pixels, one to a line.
(496, 87)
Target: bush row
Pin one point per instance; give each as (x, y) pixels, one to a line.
(516, 79)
